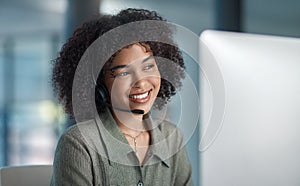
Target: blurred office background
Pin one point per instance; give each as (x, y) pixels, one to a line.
(32, 32)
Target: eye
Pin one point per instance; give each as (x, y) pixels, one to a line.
(148, 67)
(122, 74)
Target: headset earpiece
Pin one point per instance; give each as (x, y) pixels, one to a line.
(102, 93)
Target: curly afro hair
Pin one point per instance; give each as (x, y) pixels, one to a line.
(64, 66)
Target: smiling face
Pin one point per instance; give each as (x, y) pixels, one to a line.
(133, 79)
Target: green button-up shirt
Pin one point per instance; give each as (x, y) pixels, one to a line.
(96, 152)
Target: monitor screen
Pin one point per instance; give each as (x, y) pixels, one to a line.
(250, 110)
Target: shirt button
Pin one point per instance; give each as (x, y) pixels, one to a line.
(140, 183)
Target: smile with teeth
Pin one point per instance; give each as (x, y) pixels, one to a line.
(140, 97)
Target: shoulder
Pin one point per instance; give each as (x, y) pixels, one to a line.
(167, 128)
(170, 134)
(79, 134)
(77, 130)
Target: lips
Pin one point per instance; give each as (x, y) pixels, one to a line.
(140, 98)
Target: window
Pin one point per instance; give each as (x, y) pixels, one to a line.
(29, 116)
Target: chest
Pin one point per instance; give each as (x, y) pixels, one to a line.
(118, 174)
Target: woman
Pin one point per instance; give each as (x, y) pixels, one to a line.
(121, 144)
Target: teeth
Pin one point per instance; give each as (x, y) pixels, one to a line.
(140, 96)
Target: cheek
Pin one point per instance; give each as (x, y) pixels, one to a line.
(156, 82)
(159, 82)
(108, 85)
(156, 79)
(118, 89)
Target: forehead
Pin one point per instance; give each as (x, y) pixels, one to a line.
(133, 53)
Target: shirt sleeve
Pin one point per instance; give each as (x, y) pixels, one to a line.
(72, 163)
(184, 168)
(184, 172)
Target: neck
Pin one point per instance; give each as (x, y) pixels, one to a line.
(129, 123)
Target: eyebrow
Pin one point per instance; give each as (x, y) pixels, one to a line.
(118, 67)
(147, 58)
(126, 66)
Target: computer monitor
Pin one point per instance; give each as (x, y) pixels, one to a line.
(250, 110)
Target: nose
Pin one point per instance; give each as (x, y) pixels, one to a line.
(139, 80)
(140, 84)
